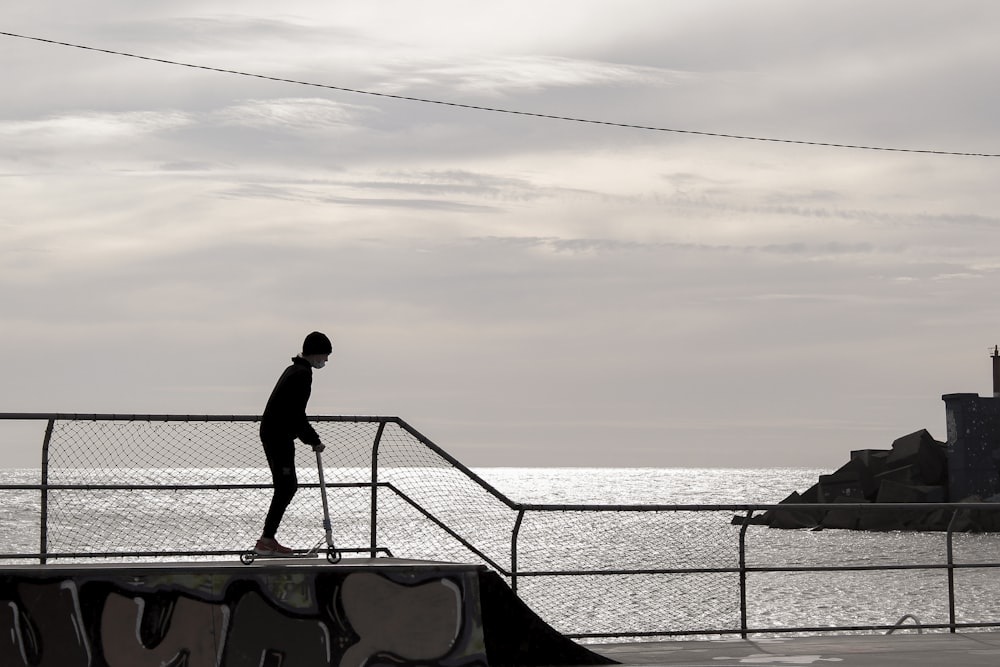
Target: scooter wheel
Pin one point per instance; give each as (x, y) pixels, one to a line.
(247, 557)
(333, 556)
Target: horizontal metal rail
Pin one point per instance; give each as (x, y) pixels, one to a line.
(753, 569)
(793, 507)
(99, 416)
(813, 629)
(170, 487)
(162, 554)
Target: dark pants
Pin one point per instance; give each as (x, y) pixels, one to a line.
(281, 459)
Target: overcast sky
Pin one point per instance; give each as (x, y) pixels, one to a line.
(523, 291)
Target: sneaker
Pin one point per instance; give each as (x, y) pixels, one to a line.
(268, 546)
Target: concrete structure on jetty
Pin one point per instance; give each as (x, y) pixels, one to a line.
(917, 469)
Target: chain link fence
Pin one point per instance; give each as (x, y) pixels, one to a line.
(176, 487)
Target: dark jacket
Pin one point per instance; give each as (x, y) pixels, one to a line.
(284, 416)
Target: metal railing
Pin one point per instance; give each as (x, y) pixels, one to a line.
(726, 562)
(744, 571)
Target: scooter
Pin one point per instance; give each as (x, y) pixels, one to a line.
(332, 555)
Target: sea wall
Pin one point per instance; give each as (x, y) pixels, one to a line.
(915, 469)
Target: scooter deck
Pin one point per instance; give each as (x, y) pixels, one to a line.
(248, 557)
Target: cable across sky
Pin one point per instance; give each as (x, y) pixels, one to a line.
(475, 107)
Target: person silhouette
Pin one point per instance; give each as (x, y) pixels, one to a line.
(283, 421)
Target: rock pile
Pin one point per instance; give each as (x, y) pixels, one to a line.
(915, 470)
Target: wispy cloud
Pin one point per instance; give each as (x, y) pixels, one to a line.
(518, 74)
(67, 130)
(314, 115)
(168, 227)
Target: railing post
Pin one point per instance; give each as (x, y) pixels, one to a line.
(373, 520)
(513, 550)
(43, 519)
(951, 572)
(743, 574)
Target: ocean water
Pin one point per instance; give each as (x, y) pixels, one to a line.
(554, 541)
(666, 486)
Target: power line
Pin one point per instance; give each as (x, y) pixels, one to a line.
(475, 107)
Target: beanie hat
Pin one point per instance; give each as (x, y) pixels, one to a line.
(316, 343)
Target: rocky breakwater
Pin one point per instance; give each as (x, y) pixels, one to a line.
(914, 470)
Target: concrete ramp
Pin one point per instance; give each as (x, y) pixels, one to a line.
(273, 613)
(515, 635)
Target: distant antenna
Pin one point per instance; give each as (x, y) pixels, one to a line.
(996, 371)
